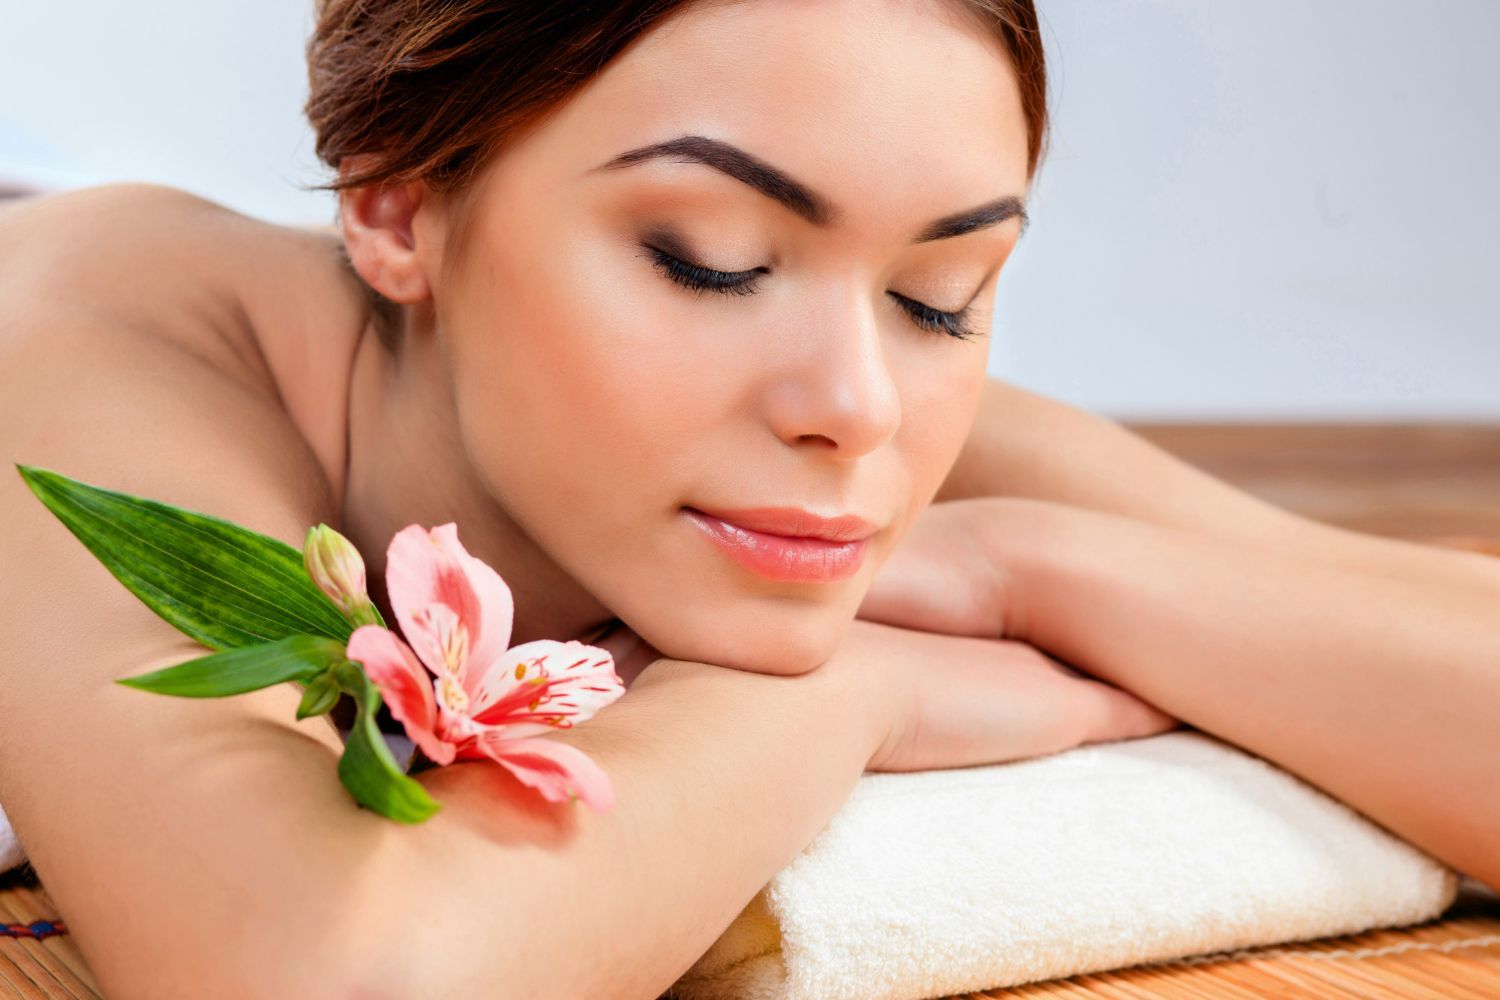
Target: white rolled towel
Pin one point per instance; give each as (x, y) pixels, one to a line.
(931, 883)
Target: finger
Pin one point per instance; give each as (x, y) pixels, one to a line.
(1115, 714)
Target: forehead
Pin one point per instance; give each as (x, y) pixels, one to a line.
(912, 101)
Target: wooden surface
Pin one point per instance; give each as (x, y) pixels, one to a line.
(44, 966)
(1402, 480)
(1438, 483)
(1456, 956)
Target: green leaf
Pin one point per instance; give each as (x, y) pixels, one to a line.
(320, 697)
(367, 767)
(248, 668)
(215, 581)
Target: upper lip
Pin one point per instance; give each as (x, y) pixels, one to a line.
(794, 522)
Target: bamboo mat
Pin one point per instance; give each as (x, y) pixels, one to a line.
(1455, 956)
(39, 959)
(1434, 483)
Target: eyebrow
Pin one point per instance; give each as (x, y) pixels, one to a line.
(800, 198)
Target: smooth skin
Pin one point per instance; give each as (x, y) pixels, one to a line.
(161, 345)
(563, 399)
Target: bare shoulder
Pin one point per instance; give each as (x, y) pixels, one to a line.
(154, 258)
(274, 308)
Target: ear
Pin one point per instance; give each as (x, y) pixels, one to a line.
(379, 234)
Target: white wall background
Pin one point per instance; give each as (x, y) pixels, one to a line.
(1286, 208)
(1282, 209)
(202, 94)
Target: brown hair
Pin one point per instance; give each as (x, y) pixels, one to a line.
(429, 90)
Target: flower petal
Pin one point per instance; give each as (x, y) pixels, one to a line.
(420, 573)
(553, 768)
(432, 567)
(489, 633)
(543, 685)
(403, 684)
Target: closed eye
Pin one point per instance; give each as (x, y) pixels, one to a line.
(704, 279)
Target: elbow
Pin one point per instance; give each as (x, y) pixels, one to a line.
(415, 978)
(386, 979)
(410, 956)
(467, 964)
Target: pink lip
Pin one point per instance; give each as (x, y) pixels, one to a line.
(785, 543)
(794, 522)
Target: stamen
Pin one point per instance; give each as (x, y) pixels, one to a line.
(455, 699)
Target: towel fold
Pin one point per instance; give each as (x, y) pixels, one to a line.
(931, 883)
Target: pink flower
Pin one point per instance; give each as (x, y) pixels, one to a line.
(457, 688)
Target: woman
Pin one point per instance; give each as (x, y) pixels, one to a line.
(610, 274)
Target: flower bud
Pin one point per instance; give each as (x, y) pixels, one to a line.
(319, 697)
(338, 569)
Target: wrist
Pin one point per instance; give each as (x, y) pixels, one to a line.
(1029, 545)
(860, 689)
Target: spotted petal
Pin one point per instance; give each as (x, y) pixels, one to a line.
(543, 685)
(555, 769)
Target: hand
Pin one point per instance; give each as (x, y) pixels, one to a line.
(941, 577)
(956, 701)
(949, 575)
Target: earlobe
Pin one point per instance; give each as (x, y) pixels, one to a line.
(380, 236)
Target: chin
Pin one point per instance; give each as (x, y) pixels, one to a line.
(788, 643)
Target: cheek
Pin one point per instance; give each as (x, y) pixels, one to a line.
(572, 382)
(940, 402)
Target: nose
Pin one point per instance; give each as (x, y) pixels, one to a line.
(836, 390)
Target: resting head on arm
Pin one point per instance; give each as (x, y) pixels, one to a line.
(564, 371)
(542, 368)
(515, 344)
(609, 309)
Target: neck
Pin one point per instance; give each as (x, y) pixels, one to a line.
(407, 464)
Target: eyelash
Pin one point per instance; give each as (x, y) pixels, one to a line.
(702, 279)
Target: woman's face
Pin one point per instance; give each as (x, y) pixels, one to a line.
(599, 397)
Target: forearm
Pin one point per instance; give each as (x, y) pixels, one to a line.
(721, 777)
(1380, 690)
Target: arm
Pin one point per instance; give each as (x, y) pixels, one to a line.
(1026, 445)
(173, 833)
(257, 876)
(1378, 689)
(721, 777)
(263, 879)
(1023, 444)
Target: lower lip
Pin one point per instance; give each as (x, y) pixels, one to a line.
(779, 557)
